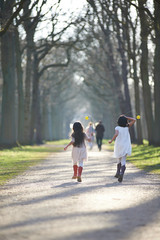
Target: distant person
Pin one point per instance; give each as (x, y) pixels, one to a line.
(79, 151)
(99, 134)
(90, 133)
(122, 146)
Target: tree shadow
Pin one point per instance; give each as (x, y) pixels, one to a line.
(134, 217)
(122, 223)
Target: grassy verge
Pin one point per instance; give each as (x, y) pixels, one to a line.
(16, 160)
(143, 156)
(107, 146)
(59, 142)
(146, 158)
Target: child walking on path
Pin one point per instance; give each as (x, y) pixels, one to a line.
(79, 151)
(122, 146)
(90, 133)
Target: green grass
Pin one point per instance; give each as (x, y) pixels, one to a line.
(107, 146)
(16, 160)
(146, 158)
(59, 142)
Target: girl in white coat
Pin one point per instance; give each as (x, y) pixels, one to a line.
(122, 146)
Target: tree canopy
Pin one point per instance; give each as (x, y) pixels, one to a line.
(60, 63)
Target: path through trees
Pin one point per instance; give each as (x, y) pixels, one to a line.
(45, 203)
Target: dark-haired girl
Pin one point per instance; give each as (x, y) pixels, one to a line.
(79, 151)
(122, 146)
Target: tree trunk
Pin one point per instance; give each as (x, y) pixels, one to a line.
(137, 107)
(8, 123)
(55, 120)
(137, 94)
(38, 118)
(28, 80)
(116, 76)
(157, 75)
(121, 38)
(46, 118)
(29, 26)
(128, 109)
(20, 90)
(35, 125)
(144, 71)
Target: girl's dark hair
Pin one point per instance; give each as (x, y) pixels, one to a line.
(78, 134)
(122, 122)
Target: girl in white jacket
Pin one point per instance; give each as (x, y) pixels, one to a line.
(122, 146)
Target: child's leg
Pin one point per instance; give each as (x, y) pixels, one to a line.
(123, 168)
(123, 160)
(75, 168)
(91, 145)
(118, 168)
(80, 168)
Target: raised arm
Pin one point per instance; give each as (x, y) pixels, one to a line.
(114, 137)
(131, 120)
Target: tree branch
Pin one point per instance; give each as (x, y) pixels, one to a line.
(5, 28)
(145, 9)
(57, 64)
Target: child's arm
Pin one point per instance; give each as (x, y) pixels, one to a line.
(114, 137)
(87, 139)
(69, 144)
(132, 121)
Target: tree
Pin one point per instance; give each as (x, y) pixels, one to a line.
(8, 21)
(144, 71)
(157, 73)
(20, 88)
(8, 130)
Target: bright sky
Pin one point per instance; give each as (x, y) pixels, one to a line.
(73, 4)
(70, 7)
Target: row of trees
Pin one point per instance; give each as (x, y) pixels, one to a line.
(92, 63)
(26, 56)
(131, 42)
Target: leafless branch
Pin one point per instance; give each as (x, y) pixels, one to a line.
(14, 15)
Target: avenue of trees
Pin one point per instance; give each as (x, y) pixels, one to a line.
(58, 66)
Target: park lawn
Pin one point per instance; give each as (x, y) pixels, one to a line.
(16, 160)
(59, 142)
(144, 157)
(106, 145)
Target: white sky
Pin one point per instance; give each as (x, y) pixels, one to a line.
(73, 4)
(70, 7)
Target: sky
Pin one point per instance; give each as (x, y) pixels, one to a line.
(70, 7)
(73, 4)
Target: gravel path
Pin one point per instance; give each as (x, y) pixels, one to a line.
(45, 203)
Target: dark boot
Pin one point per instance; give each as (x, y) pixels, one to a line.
(118, 170)
(75, 168)
(120, 178)
(79, 174)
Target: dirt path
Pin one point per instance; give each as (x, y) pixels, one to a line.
(45, 203)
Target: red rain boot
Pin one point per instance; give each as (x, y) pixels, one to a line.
(75, 168)
(79, 174)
